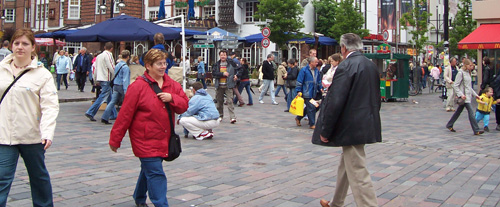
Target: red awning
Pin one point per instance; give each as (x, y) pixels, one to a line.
(486, 36)
(374, 37)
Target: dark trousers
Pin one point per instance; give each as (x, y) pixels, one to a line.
(65, 80)
(310, 111)
(34, 160)
(472, 117)
(497, 114)
(81, 78)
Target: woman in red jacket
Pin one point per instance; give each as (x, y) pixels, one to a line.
(144, 115)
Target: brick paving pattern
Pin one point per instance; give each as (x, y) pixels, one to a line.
(265, 160)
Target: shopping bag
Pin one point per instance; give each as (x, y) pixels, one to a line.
(297, 106)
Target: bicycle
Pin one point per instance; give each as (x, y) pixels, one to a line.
(414, 89)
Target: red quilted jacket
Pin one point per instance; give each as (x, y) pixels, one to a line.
(144, 115)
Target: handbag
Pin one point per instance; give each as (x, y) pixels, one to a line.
(11, 84)
(201, 76)
(297, 106)
(174, 143)
(459, 100)
(112, 82)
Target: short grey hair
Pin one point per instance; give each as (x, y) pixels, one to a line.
(351, 42)
(84, 48)
(270, 56)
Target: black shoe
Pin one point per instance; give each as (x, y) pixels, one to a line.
(498, 127)
(90, 117)
(286, 110)
(105, 121)
(486, 129)
(479, 132)
(451, 129)
(141, 205)
(276, 96)
(81, 90)
(66, 87)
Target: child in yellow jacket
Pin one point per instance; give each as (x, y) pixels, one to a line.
(484, 107)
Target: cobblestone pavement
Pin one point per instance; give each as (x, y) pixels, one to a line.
(265, 160)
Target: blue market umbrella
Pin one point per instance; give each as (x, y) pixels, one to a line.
(122, 28)
(161, 12)
(191, 9)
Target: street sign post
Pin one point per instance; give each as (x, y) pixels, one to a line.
(204, 36)
(265, 42)
(266, 32)
(203, 46)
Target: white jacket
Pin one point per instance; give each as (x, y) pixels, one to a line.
(104, 67)
(29, 110)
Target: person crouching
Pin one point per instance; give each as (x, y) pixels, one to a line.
(202, 115)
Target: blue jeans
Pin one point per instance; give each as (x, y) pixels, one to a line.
(34, 160)
(115, 97)
(104, 95)
(484, 117)
(278, 90)
(64, 77)
(310, 111)
(268, 85)
(152, 180)
(290, 96)
(202, 82)
(246, 85)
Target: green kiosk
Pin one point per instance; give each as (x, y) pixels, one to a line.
(394, 75)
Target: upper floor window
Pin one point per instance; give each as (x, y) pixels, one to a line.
(153, 14)
(74, 9)
(10, 15)
(181, 11)
(27, 14)
(116, 8)
(208, 11)
(250, 9)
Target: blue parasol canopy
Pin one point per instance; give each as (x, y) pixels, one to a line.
(122, 28)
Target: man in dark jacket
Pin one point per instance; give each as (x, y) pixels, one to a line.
(291, 81)
(268, 79)
(351, 119)
(224, 72)
(82, 66)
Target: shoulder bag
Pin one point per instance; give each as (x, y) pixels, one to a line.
(112, 82)
(459, 100)
(174, 144)
(11, 84)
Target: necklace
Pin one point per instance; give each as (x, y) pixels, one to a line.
(20, 68)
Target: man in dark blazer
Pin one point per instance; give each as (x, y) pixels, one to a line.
(81, 66)
(350, 119)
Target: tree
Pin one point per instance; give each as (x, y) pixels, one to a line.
(337, 18)
(462, 25)
(285, 16)
(417, 17)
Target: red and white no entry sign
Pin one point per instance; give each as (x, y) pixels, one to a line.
(266, 42)
(266, 32)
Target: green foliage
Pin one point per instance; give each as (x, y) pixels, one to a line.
(463, 25)
(285, 15)
(337, 18)
(418, 20)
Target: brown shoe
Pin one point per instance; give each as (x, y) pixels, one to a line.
(312, 127)
(297, 122)
(324, 203)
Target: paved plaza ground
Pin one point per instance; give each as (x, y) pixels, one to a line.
(265, 160)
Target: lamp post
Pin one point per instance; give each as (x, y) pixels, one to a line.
(120, 5)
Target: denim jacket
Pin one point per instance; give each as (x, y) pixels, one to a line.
(306, 84)
(202, 107)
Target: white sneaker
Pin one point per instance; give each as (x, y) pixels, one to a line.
(205, 135)
(261, 101)
(275, 103)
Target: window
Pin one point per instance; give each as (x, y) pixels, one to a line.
(97, 9)
(247, 53)
(180, 11)
(367, 49)
(208, 11)
(116, 8)
(250, 9)
(74, 9)
(153, 14)
(72, 47)
(61, 11)
(46, 13)
(27, 14)
(10, 15)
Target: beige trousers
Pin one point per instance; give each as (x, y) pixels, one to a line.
(450, 101)
(352, 172)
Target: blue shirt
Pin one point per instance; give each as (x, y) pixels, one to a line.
(201, 67)
(122, 77)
